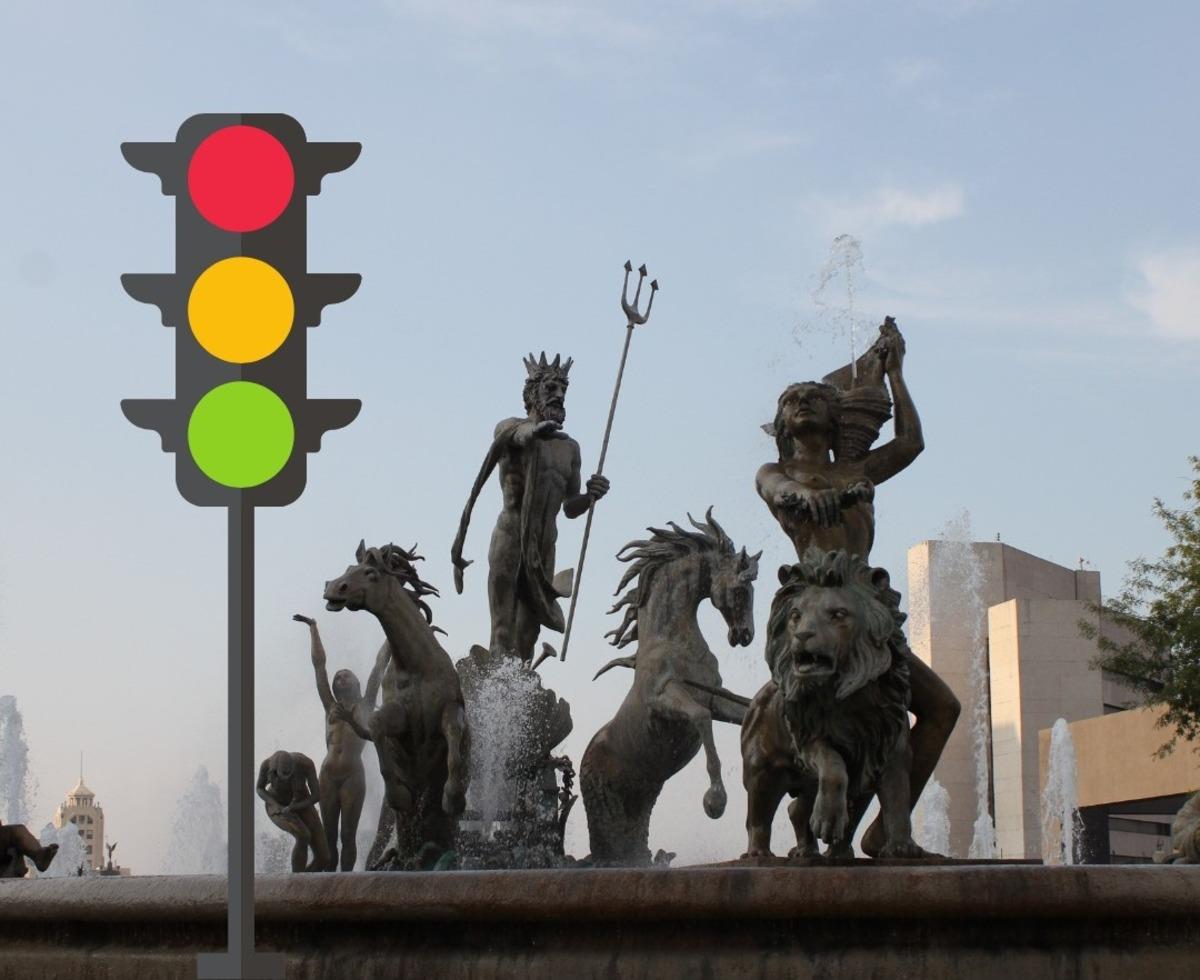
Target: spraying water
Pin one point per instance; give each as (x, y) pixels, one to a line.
(836, 292)
(957, 578)
(499, 709)
(197, 844)
(71, 856)
(16, 781)
(1062, 827)
(931, 819)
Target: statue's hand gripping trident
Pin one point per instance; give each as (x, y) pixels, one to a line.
(634, 318)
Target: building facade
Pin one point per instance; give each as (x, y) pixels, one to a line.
(1001, 627)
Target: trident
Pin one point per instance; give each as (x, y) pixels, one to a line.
(634, 318)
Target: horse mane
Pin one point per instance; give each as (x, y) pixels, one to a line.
(399, 563)
(648, 556)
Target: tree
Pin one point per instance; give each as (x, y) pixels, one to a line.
(1158, 611)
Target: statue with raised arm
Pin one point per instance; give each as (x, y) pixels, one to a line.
(288, 785)
(342, 779)
(17, 844)
(539, 467)
(821, 491)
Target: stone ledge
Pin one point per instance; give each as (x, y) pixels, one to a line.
(968, 891)
(762, 923)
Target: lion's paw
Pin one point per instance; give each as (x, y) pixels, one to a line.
(714, 801)
(805, 851)
(830, 819)
(758, 852)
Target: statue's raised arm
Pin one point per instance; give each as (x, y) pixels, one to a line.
(889, 459)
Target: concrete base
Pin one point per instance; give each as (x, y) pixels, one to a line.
(730, 922)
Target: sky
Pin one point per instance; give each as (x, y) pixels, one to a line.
(1020, 175)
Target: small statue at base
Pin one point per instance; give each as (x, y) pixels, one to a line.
(287, 783)
(17, 844)
(1185, 835)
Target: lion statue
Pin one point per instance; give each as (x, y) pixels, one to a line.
(831, 726)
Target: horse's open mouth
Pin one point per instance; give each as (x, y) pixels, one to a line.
(334, 605)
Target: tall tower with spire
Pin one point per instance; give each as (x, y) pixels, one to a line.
(81, 809)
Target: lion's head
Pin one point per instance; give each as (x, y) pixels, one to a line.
(834, 624)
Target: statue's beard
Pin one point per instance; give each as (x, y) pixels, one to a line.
(552, 413)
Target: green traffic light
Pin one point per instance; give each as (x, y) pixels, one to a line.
(241, 434)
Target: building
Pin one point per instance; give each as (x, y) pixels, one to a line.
(1001, 627)
(81, 809)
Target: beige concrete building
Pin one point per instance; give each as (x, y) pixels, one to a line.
(81, 809)
(1127, 796)
(999, 625)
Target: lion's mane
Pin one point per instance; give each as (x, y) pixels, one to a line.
(863, 710)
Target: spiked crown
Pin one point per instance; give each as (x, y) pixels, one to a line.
(538, 368)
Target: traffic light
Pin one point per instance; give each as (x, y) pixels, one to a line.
(241, 299)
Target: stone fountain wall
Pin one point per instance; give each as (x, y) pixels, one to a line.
(768, 923)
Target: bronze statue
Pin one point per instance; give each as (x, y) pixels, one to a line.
(676, 693)
(420, 732)
(17, 844)
(831, 726)
(821, 492)
(343, 781)
(287, 784)
(539, 468)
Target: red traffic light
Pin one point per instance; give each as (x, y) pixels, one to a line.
(241, 178)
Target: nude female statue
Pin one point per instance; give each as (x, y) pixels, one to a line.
(343, 781)
(822, 488)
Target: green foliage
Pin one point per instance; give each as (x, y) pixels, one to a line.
(1159, 609)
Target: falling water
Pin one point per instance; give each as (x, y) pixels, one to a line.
(931, 818)
(845, 262)
(197, 844)
(499, 709)
(72, 854)
(16, 781)
(1062, 826)
(958, 582)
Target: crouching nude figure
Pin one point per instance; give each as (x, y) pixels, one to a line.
(287, 783)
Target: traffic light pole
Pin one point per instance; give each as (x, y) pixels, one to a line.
(240, 959)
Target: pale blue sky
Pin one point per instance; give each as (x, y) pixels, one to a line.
(1022, 176)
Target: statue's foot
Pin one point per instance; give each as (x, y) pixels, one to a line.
(842, 849)
(904, 848)
(758, 852)
(42, 859)
(714, 801)
(807, 850)
(873, 840)
(830, 818)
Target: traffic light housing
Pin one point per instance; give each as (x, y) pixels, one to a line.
(241, 299)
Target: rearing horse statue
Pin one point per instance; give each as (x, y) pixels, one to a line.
(676, 694)
(420, 731)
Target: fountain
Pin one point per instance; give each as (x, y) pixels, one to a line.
(957, 577)
(197, 844)
(16, 782)
(845, 263)
(931, 819)
(1062, 827)
(516, 809)
(71, 860)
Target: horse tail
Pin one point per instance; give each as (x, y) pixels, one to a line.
(617, 803)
